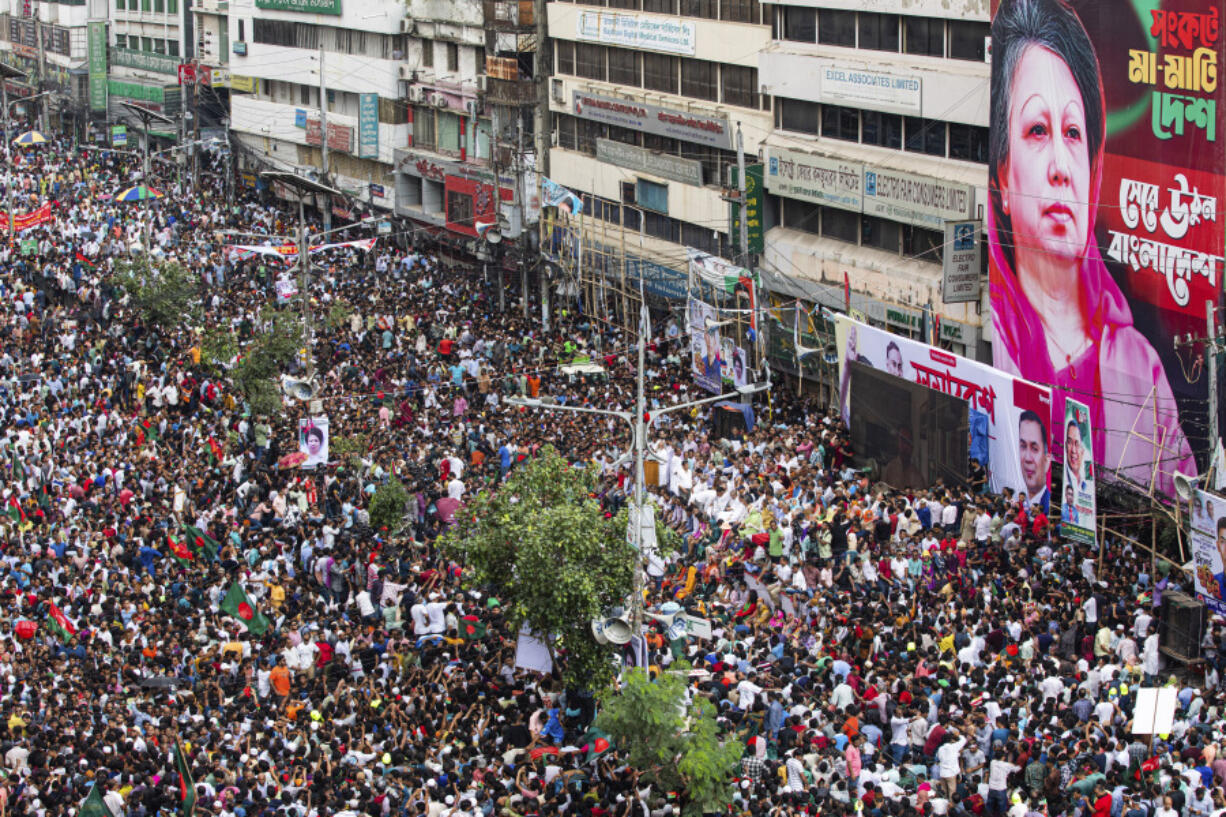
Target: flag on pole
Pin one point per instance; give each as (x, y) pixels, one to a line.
(15, 511)
(187, 786)
(178, 549)
(93, 805)
(237, 604)
(201, 541)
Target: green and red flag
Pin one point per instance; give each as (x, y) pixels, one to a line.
(59, 624)
(201, 541)
(93, 805)
(79, 257)
(214, 451)
(14, 510)
(237, 604)
(187, 786)
(179, 549)
(472, 628)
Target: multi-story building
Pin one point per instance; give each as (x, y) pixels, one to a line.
(55, 63)
(646, 99)
(880, 137)
(469, 77)
(149, 39)
(291, 58)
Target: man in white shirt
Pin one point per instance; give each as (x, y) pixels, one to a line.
(948, 761)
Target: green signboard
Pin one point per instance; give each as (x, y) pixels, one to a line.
(135, 90)
(146, 60)
(332, 7)
(368, 126)
(29, 246)
(753, 207)
(96, 34)
(119, 135)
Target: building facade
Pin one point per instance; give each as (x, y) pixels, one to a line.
(879, 138)
(320, 79)
(48, 41)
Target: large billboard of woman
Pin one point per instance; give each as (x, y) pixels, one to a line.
(1105, 172)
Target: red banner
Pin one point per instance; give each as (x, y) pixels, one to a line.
(27, 220)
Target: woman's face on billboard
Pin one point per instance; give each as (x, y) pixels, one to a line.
(1046, 185)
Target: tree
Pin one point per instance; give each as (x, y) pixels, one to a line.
(162, 292)
(541, 544)
(387, 506)
(675, 746)
(262, 359)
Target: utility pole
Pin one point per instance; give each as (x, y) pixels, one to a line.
(494, 123)
(304, 281)
(323, 138)
(42, 70)
(740, 186)
(1211, 352)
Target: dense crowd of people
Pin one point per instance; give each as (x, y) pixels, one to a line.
(879, 651)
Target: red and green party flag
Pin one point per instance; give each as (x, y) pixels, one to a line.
(201, 541)
(214, 451)
(472, 628)
(93, 805)
(187, 786)
(179, 549)
(15, 511)
(59, 624)
(79, 257)
(237, 604)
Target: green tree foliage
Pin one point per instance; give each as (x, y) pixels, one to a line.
(261, 359)
(164, 293)
(338, 315)
(675, 746)
(387, 506)
(543, 546)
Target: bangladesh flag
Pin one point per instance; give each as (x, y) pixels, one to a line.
(178, 549)
(214, 451)
(238, 605)
(19, 470)
(201, 541)
(472, 628)
(15, 511)
(59, 624)
(187, 786)
(93, 805)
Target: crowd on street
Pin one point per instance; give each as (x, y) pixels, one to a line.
(876, 651)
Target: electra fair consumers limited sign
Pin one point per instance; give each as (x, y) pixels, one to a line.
(626, 113)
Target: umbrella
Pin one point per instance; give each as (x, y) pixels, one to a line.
(291, 459)
(446, 509)
(138, 193)
(30, 137)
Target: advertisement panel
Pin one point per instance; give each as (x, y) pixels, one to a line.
(920, 200)
(96, 34)
(756, 235)
(1209, 549)
(1010, 419)
(705, 346)
(687, 171)
(638, 31)
(864, 88)
(332, 7)
(119, 135)
(712, 131)
(803, 176)
(962, 257)
(1078, 503)
(1104, 239)
(368, 126)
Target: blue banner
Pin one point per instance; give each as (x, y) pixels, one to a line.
(368, 126)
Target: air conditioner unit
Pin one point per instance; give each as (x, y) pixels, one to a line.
(439, 101)
(559, 92)
(406, 72)
(408, 26)
(417, 94)
(482, 83)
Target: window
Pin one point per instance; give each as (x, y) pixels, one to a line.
(172, 6)
(799, 24)
(448, 132)
(700, 238)
(660, 6)
(841, 123)
(632, 219)
(881, 129)
(241, 28)
(925, 136)
(453, 58)
(660, 73)
(306, 35)
(921, 244)
(966, 40)
(880, 233)
(624, 67)
(427, 53)
(651, 196)
(121, 41)
(879, 32)
(459, 208)
(662, 144)
(119, 6)
(841, 225)
(565, 53)
(798, 115)
(423, 128)
(740, 86)
(802, 215)
(159, 6)
(566, 133)
(589, 61)
(699, 80)
(740, 11)
(172, 47)
(924, 36)
(304, 94)
(836, 27)
(968, 142)
(700, 8)
(627, 136)
(146, 44)
(624, 4)
(159, 45)
(658, 225)
(145, 5)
